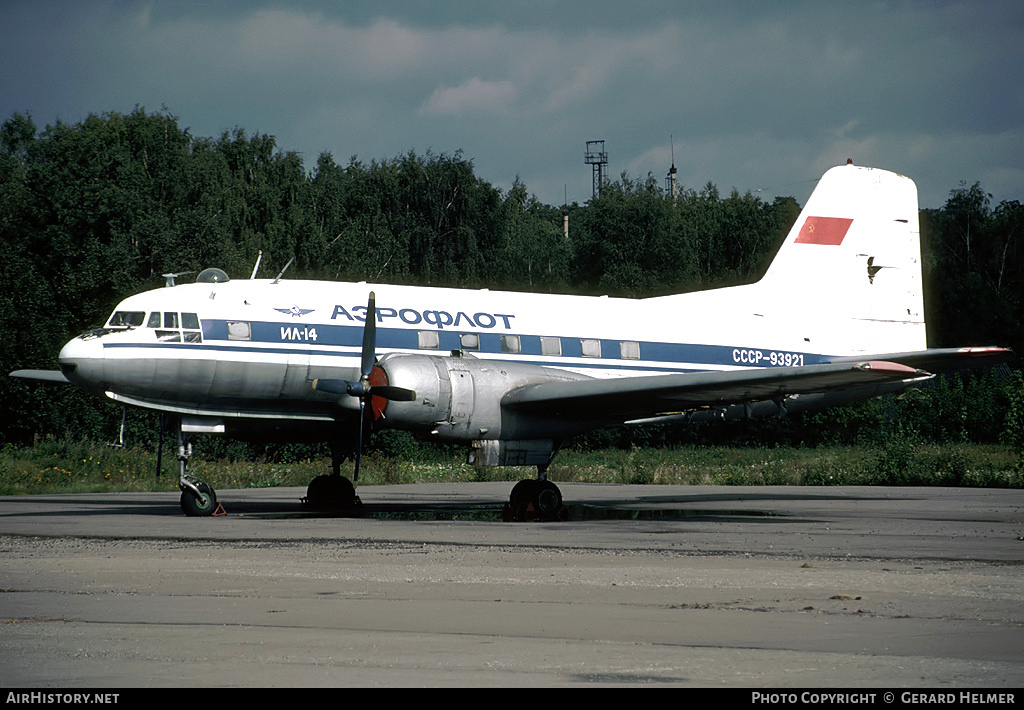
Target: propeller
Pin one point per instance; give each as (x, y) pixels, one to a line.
(362, 388)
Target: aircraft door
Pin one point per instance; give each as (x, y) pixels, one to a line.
(296, 376)
(463, 396)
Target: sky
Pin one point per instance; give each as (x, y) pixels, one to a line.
(748, 95)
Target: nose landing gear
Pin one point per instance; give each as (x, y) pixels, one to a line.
(200, 502)
(198, 499)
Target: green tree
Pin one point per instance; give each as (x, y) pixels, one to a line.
(531, 251)
(633, 242)
(973, 257)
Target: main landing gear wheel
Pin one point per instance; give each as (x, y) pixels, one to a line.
(331, 492)
(534, 500)
(203, 505)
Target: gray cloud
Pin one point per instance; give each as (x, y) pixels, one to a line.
(757, 96)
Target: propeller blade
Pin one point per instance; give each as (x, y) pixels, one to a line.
(362, 389)
(358, 389)
(393, 393)
(359, 441)
(335, 386)
(369, 337)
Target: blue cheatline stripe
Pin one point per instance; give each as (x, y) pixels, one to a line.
(353, 353)
(346, 340)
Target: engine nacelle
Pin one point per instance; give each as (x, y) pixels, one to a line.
(459, 398)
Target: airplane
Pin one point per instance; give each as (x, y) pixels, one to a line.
(837, 317)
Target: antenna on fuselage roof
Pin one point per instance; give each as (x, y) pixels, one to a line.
(170, 277)
(257, 267)
(284, 269)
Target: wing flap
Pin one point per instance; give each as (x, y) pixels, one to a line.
(632, 397)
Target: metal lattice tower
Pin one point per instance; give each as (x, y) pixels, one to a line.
(597, 157)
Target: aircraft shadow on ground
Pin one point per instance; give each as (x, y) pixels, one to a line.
(471, 508)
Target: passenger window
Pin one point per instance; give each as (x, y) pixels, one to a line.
(469, 341)
(428, 340)
(550, 346)
(629, 350)
(239, 330)
(590, 347)
(510, 344)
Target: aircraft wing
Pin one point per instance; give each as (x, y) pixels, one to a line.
(938, 360)
(632, 397)
(45, 375)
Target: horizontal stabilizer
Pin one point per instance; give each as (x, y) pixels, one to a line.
(44, 375)
(938, 360)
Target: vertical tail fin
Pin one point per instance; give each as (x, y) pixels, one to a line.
(851, 265)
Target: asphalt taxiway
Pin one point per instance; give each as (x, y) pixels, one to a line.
(649, 585)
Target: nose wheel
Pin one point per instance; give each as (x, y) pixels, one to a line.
(203, 504)
(198, 499)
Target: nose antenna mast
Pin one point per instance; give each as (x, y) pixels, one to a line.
(256, 268)
(284, 269)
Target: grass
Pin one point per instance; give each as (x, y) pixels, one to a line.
(60, 466)
(948, 465)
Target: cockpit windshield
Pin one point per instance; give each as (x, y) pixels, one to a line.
(124, 319)
(169, 326)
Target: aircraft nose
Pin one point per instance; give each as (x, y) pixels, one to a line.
(81, 361)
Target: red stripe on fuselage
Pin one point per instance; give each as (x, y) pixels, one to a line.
(829, 231)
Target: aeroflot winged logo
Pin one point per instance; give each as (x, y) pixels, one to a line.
(827, 231)
(294, 311)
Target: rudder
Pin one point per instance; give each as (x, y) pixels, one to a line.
(851, 265)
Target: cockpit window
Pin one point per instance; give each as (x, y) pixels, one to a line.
(123, 319)
(191, 330)
(154, 320)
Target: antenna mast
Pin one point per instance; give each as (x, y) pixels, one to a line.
(597, 157)
(671, 178)
(565, 213)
